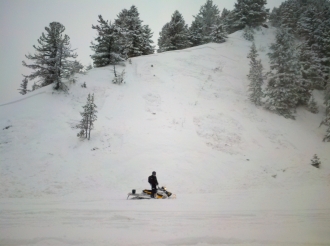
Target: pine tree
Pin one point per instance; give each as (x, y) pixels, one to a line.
(107, 50)
(88, 117)
(225, 12)
(326, 121)
(135, 39)
(196, 32)
(51, 62)
(290, 15)
(308, 23)
(23, 89)
(174, 35)
(203, 24)
(275, 17)
(310, 68)
(219, 33)
(147, 47)
(255, 76)
(284, 83)
(315, 161)
(250, 13)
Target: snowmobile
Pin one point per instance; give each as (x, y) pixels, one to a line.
(161, 193)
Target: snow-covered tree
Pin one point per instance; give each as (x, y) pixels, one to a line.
(147, 47)
(219, 33)
(248, 13)
(310, 68)
(326, 121)
(248, 33)
(255, 76)
(174, 34)
(51, 61)
(23, 86)
(284, 79)
(107, 49)
(203, 24)
(196, 32)
(275, 18)
(135, 39)
(315, 161)
(225, 12)
(290, 15)
(88, 117)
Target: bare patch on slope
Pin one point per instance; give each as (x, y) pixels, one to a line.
(221, 132)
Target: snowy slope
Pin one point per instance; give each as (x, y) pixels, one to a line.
(184, 114)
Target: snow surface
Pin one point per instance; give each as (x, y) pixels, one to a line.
(242, 174)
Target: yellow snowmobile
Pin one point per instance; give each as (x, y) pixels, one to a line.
(161, 193)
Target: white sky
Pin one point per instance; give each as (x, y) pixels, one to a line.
(23, 21)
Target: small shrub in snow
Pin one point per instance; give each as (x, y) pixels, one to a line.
(84, 85)
(312, 106)
(89, 67)
(316, 161)
(119, 79)
(248, 33)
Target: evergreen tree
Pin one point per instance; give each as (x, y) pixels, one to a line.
(135, 39)
(322, 45)
(308, 23)
(255, 76)
(326, 121)
(310, 68)
(88, 117)
(275, 17)
(219, 33)
(284, 83)
(315, 162)
(250, 13)
(51, 62)
(107, 50)
(23, 89)
(290, 15)
(203, 24)
(174, 35)
(196, 32)
(147, 47)
(225, 12)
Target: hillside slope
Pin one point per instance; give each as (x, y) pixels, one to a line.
(184, 114)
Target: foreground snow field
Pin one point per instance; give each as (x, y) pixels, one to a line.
(242, 175)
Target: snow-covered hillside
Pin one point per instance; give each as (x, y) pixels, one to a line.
(184, 114)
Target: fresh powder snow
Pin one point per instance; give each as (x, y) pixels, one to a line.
(242, 174)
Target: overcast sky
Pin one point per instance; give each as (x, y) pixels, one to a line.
(23, 21)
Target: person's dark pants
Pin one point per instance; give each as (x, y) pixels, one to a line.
(153, 191)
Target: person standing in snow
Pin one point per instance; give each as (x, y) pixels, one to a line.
(153, 182)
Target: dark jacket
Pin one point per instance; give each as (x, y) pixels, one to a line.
(153, 180)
